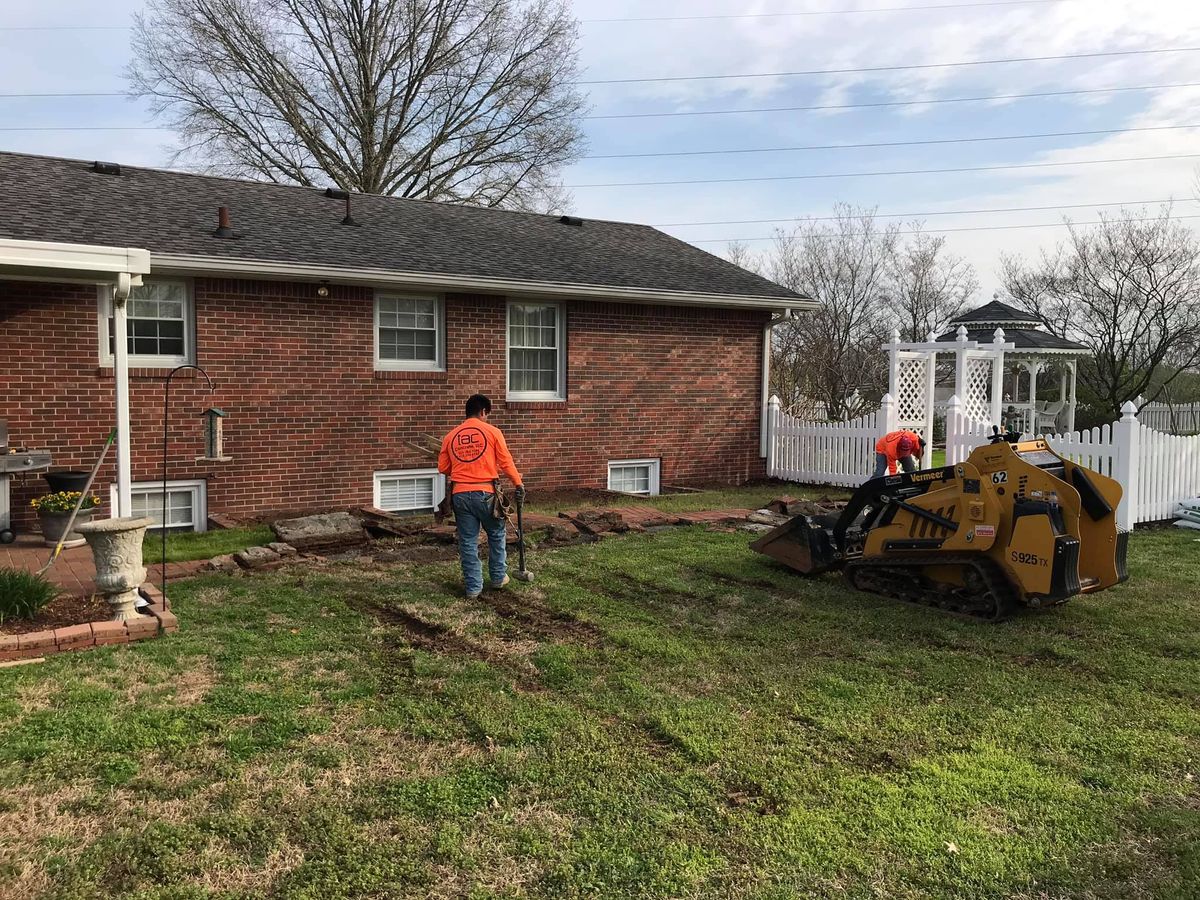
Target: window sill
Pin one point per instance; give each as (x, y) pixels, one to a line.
(409, 374)
(518, 403)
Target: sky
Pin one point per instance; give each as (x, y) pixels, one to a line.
(44, 49)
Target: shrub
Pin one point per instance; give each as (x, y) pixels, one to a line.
(63, 501)
(23, 594)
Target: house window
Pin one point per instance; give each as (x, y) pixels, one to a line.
(536, 354)
(186, 504)
(634, 476)
(409, 333)
(159, 325)
(409, 491)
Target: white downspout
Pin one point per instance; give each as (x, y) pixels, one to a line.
(766, 380)
(120, 293)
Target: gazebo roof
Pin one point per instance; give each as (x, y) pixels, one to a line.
(1026, 340)
(996, 313)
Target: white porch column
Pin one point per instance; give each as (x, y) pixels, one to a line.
(121, 383)
(1032, 425)
(1071, 405)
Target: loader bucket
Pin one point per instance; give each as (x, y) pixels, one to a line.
(801, 543)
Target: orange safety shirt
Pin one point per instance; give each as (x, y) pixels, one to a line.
(473, 456)
(889, 446)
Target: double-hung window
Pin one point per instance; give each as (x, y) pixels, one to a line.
(409, 491)
(159, 324)
(537, 358)
(409, 333)
(634, 476)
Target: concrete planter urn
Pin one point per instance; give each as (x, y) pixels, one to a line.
(54, 525)
(117, 547)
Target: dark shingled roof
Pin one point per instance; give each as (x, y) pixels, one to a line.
(50, 199)
(996, 312)
(1023, 338)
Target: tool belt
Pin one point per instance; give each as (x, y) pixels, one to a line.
(502, 507)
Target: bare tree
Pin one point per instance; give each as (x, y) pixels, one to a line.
(458, 100)
(1128, 289)
(833, 353)
(740, 254)
(927, 286)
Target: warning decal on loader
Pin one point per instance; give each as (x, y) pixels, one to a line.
(988, 531)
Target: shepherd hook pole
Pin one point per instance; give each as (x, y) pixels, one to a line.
(166, 414)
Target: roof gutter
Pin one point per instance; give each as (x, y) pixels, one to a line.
(179, 264)
(76, 262)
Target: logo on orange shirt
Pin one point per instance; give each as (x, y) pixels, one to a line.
(468, 444)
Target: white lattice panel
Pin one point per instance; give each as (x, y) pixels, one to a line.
(976, 393)
(911, 390)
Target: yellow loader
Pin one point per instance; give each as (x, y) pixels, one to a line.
(1015, 525)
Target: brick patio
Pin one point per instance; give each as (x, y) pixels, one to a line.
(74, 571)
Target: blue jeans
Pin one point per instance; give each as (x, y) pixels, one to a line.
(473, 509)
(906, 463)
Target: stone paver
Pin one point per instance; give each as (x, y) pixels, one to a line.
(73, 571)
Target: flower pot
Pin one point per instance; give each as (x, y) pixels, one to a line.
(117, 549)
(68, 480)
(54, 526)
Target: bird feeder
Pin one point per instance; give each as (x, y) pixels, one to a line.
(214, 437)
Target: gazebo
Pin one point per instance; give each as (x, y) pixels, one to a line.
(1034, 351)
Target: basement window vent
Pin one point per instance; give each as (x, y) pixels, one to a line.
(574, 221)
(337, 194)
(106, 168)
(410, 491)
(635, 476)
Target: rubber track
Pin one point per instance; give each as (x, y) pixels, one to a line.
(900, 578)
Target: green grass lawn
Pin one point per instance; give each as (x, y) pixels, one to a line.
(747, 497)
(185, 546)
(659, 715)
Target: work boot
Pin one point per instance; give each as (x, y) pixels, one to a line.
(474, 596)
(501, 585)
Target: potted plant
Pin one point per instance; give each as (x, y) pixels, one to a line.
(54, 513)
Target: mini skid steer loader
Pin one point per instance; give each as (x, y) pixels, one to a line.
(1015, 525)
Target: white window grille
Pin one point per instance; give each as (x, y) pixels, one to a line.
(160, 325)
(536, 351)
(409, 490)
(187, 508)
(634, 476)
(409, 333)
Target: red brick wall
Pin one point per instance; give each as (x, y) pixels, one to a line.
(310, 420)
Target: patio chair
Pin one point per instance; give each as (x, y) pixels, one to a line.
(1046, 417)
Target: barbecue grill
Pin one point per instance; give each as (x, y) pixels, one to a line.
(14, 461)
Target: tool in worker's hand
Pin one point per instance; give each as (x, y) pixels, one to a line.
(1015, 524)
(112, 436)
(522, 574)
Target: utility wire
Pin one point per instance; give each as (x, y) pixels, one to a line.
(949, 230)
(1047, 165)
(923, 143)
(831, 12)
(901, 68)
(834, 106)
(85, 128)
(70, 94)
(918, 215)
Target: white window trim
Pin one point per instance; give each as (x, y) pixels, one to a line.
(199, 489)
(439, 485)
(438, 364)
(655, 474)
(104, 311)
(560, 321)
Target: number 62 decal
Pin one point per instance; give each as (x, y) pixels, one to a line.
(999, 478)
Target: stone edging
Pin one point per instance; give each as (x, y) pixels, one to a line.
(93, 634)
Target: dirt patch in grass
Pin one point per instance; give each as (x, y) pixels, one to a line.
(534, 616)
(60, 613)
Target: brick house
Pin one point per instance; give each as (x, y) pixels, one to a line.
(342, 334)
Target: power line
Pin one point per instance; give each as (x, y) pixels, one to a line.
(70, 94)
(1047, 165)
(950, 230)
(831, 12)
(919, 215)
(834, 106)
(902, 68)
(86, 128)
(924, 143)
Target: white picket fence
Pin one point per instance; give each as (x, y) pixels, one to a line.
(1181, 418)
(1156, 470)
(839, 453)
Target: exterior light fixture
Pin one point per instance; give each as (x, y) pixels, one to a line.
(323, 291)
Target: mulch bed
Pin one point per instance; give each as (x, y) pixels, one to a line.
(60, 613)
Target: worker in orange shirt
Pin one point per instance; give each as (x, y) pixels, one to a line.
(898, 446)
(472, 457)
